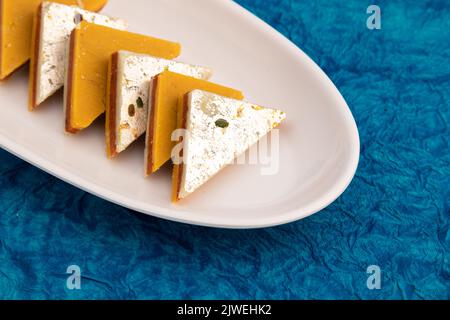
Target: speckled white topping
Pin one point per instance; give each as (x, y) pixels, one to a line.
(210, 146)
(57, 22)
(135, 71)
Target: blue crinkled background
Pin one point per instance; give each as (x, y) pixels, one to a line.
(395, 214)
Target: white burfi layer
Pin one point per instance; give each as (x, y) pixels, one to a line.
(57, 23)
(135, 72)
(218, 130)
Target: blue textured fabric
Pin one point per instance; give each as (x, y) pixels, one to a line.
(395, 214)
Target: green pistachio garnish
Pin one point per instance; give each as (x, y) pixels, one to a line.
(222, 123)
(131, 110)
(139, 103)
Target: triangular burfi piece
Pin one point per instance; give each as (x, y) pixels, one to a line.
(52, 27)
(218, 130)
(129, 79)
(91, 47)
(166, 90)
(16, 23)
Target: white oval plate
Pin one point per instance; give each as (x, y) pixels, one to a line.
(319, 148)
